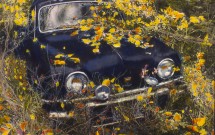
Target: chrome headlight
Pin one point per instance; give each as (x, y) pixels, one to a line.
(102, 92)
(76, 81)
(151, 80)
(166, 68)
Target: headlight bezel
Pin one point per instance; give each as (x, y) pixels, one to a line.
(159, 70)
(71, 77)
(97, 91)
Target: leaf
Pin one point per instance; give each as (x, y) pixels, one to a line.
(92, 84)
(57, 84)
(76, 60)
(42, 46)
(59, 56)
(86, 41)
(27, 51)
(97, 133)
(70, 55)
(4, 131)
(23, 126)
(7, 118)
(71, 114)
(117, 45)
(149, 90)
(85, 28)
(1, 107)
(62, 105)
(126, 118)
(74, 33)
(113, 80)
(96, 50)
(35, 40)
(59, 62)
(106, 82)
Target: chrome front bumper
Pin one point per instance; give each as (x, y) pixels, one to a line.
(114, 99)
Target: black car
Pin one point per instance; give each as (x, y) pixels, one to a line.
(65, 70)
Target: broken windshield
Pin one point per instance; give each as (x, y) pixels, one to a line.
(62, 16)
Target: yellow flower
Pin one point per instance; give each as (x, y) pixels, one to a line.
(201, 18)
(184, 25)
(203, 132)
(209, 97)
(57, 84)
(32, 116)
(199, 121)
(200, 55)
(193, 128)
(168, 113)
(139, 98)
(112, 30)
(5, 131)
(206, 41)
(177, 117)
(213, 84)
(194, 19)
(201, 62)
(21, 2)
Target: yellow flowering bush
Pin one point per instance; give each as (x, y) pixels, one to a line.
(137, 20)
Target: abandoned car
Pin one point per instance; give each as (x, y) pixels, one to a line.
(67, 71)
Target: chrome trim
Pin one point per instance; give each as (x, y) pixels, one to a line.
(163, 61)
(128, 92)
(150, 78)
(124, 99)
(58, 115)
(76, 72)
(96, 92)
(58, 4)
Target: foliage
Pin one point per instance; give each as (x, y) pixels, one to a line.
(182, 26)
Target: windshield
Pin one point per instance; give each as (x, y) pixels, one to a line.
(62, 16)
